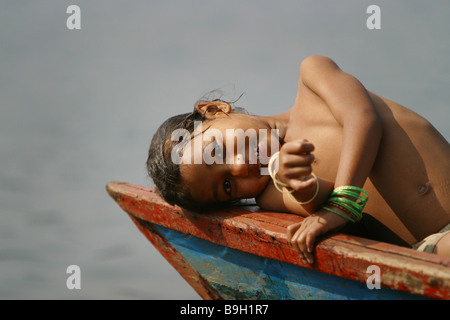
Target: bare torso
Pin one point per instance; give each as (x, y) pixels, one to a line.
(409, 184)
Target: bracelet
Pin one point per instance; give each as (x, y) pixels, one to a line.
(353, 217)
(353, 208)
(340, 214)
(313, 197)
(278, 183)
(273, 175)
(351, 191)
(347, 204)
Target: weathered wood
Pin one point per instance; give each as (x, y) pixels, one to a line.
(263, 234)
(176, 260)
(235, 274)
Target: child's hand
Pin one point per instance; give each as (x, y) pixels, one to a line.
(302, 235)
(294, 166)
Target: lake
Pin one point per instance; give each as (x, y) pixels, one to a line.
(78, 109)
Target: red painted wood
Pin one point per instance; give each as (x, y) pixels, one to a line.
(264, 233)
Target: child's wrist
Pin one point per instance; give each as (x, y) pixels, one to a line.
(285, 188)
(307, 195)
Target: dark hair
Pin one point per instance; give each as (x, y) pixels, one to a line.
(163, 171)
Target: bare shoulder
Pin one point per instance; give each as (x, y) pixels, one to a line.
(324, 77)
(316, 63)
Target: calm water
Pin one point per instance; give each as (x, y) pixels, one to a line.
(78, 109)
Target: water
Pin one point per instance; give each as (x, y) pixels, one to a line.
(78, 109)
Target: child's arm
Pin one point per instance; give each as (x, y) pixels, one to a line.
(295, 162)
(351, 106)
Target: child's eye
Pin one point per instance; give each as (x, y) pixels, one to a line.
(227, 187)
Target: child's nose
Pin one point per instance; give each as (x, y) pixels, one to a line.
(239, 167)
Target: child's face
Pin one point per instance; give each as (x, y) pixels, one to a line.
(230, 166)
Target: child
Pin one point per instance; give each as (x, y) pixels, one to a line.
(393, 163)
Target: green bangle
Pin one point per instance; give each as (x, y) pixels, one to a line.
(340, 214)
(354, 208)
(353, 191)
(360, 199)
(348, 193)
(355, 215)
(347, 205)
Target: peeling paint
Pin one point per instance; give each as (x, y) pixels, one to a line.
(263, 234)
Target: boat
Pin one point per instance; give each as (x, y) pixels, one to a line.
(242, 252)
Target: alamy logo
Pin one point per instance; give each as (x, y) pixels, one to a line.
(73, 22)
(374, 280)
(208, 146)
(374, 20)
(74, 280)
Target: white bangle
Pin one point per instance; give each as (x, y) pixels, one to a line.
(277, 182)
(273, 175)
(313, 197)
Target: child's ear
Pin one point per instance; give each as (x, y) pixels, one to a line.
(213, 107)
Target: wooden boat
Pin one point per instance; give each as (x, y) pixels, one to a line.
(242, 253)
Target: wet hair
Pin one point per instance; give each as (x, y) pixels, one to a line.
(164, 172)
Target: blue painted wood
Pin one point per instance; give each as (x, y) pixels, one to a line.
(240, 275)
